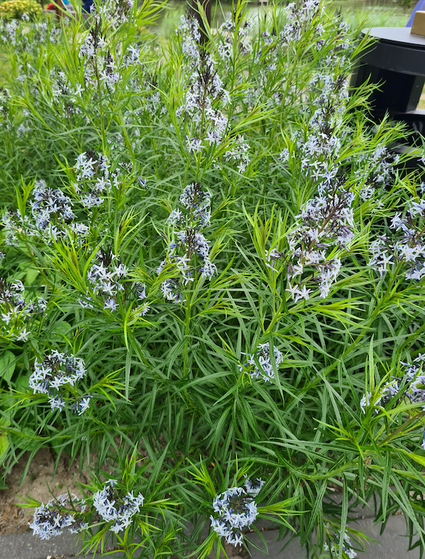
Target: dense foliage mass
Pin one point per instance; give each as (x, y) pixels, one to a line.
(211, 288)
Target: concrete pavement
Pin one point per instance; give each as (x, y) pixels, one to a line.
(391, 545)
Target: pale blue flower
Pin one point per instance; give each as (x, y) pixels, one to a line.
(236, 510)
(114, 508)
(50, 519)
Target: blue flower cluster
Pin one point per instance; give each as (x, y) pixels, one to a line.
(236, 510)
(51, 375)
(114, 508)
(94, 178)
(105, 275)
(406, 245)
(346, 547)
(409, 387)
(48, 202)
(190, 243)
(260, 365)
(50, 519)
(15, 311)
(52, 218)
(108, 278)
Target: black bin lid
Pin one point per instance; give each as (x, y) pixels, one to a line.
(401, 36)
(396, 49)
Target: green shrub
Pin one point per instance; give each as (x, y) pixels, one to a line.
(212, 282)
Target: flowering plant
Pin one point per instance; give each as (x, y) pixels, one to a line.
(213, 260)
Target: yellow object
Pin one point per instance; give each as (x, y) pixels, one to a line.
(418, 25)
(16, 8)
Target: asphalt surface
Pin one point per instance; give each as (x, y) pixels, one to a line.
(391, 545)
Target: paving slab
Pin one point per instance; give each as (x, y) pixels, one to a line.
(28, 546)
(391, 545)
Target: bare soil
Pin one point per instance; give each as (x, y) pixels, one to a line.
(14, 519)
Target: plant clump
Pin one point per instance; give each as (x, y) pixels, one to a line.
(212, 273)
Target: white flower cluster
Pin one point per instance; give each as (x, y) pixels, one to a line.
(191, 36)
(51, 216)
(260, 365)
(407, 245)
(50, 203)
(204, 97)
(53, 213)
(239, 154)
(346, 547)
(366, 401)
(64, 95)
(324, 100)
(10, 32)
(409, 387)
(226, 34)
(206, 100)
(105, 275)
(4, 109)
(381, 252)
(300, 16)
(94, 179)
(27, 36)
(132, 57)
(50, 519)
(253, 487)
(52, 375)
(82, 404)
(413, 382)
(190, 244)
(326, 223)
(112, 507)
(100, 65)
(321, 147)
(112, 13)
(15, 311)
(198, 202)
(171, 290)
(236, 510)
(373, 170)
